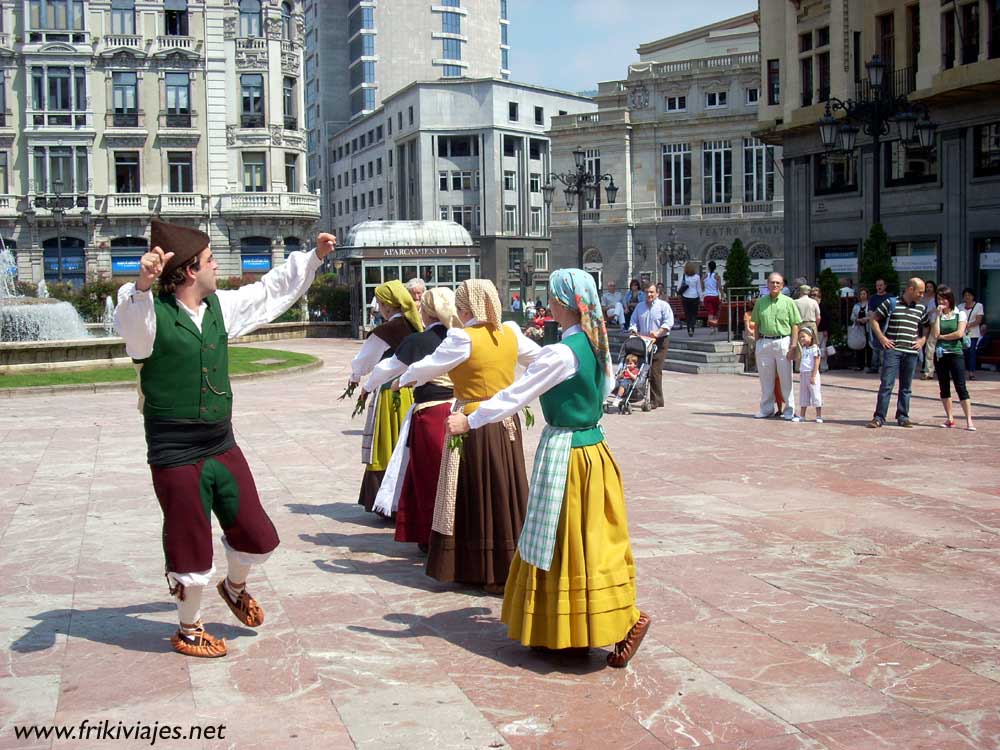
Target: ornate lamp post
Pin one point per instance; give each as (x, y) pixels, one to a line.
(668, 253)
(581, 186)
(874, 113)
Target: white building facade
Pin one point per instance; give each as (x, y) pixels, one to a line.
(119, 110)
(471, 151)
(677, 137)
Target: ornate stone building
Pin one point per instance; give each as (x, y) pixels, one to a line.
(677, 136)
(118, 110)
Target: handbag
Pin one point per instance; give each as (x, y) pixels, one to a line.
(856, 337)
(683, 286)
(966, 341)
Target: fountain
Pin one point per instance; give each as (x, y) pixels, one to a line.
(108, 318)
(34, 318)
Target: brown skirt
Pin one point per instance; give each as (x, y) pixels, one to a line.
(371, 482)
(489, 510)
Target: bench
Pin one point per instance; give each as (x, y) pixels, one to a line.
(678, 307)
(990, 355)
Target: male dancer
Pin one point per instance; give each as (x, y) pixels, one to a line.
(180, 342)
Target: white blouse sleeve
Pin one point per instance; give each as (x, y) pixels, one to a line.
(385, 372)
(366, 359)
(135, 321)
(527, 350)
(552, 365)
(453, 351)
(253, 305)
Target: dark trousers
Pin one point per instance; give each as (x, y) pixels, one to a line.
(656, 371)
(951, 369)
(896, 364)
(863, 357)
(970, 357)
(691, 305)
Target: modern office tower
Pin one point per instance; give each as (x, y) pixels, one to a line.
(361, 52)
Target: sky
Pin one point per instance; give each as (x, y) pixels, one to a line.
(573, 44)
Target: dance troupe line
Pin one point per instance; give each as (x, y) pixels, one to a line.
(442, 443)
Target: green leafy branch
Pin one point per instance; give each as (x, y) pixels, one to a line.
(529, 417)
(457, 443)
(359, 406)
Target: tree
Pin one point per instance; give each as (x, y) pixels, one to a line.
(876, 262)
(830, 289)
(737, 272)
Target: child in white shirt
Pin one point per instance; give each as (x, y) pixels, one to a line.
(809, 384)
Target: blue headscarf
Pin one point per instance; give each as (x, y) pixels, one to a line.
(575, 289)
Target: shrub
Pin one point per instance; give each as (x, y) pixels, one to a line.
(876, 261)
(89, 301)
(737, 272)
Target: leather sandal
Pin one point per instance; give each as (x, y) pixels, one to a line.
(625, 649)
(245, 608)
(199, 643)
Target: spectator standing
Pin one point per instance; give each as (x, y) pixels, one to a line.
(930, 301)
(611, 302)
(653, 318)
(846, 288)
(948, 329)
(691, 292)
(416, 287)
(859, 317)
(632, 299)
(808, 307)
(974, 312)
(904, 320)
(874, 302)
(776, 322)
(515, 303)
(713, 287)
(822, 327)
(809, 382)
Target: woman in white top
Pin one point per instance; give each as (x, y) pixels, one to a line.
(974, 312)
(713, 287)
(691, 292)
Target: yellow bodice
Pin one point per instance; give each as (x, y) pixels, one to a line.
(489, 368)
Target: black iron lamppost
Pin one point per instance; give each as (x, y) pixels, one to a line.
(874, 112)
(581, 187)
(668, 253)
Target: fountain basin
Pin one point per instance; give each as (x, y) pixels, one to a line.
(20, 356)
(39, 319)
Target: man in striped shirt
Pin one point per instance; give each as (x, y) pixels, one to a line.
(902, 340)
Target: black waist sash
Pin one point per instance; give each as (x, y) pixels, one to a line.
(178, 442)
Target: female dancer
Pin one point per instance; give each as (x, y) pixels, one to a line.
(409, 486)
(572, 581)
(482, 489)
(384, 416)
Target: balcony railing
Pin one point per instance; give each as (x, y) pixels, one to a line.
(251, 121)
(181, 203)
(295, 203)
(251, 43)
(175, 42)
(742, 60)
(179, 120)
(717, 209)
(672, 211)
(5, 41)
(62, 203)
(760, 207)
(128, 41)
(60, 119)
(6, 119)
(126, 203)
(899, 82)
(46, 36)
(8, 205)
(135, 119)
(291, 122)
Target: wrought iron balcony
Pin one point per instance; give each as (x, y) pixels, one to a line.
(251, 120)
(126, 119)
(179, 120)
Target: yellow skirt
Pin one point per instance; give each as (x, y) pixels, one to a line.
(388, 420)
(587, 598)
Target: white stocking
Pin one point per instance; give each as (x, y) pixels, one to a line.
(189, 609)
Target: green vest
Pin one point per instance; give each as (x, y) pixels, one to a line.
(577, 403)
(187, 375)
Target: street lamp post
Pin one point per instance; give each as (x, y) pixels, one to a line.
(668, 254)
(581, 186)
(874, 114)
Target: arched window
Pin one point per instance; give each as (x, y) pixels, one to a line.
(250, 18)
(286, 21)
(125, 255)
(63, 259)
(255, 254)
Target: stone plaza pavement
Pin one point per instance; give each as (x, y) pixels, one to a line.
(811, 586)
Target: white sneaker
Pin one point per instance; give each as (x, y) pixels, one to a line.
(758, 415)
(789, 417)
(796, 419)
(819, 420)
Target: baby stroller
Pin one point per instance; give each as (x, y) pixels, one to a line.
(637, 390)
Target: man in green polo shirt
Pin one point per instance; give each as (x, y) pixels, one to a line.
(777, 323)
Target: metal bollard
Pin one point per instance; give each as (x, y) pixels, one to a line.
(550, 333)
